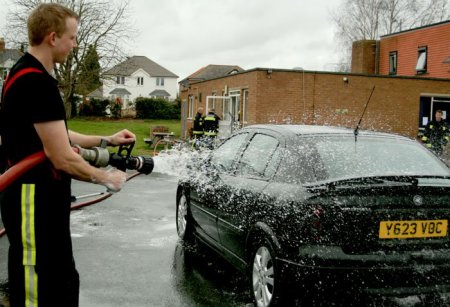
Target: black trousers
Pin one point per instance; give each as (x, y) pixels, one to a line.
(36, 215)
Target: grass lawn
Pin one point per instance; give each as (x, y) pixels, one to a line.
(140, 127)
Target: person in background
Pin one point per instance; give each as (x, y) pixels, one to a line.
(437, 134)
(35, 208)
(211, 128)
(211, 124)
(198, 124)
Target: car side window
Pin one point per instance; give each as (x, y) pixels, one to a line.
(298, 164)
(256, 156)
(224, 156)
(273, 163)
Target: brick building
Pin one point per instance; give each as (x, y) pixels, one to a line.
(422, 51)
(402, 102)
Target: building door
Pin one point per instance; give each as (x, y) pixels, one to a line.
(234, 109)
(222, 105)
(428, 107)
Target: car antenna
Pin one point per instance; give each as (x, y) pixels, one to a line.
(356, 131)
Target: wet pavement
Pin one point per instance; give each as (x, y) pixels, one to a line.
(127, 252)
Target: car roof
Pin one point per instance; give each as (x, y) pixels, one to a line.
(316, 129)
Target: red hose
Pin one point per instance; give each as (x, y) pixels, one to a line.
(87, 203)
(20, 168)
(8, 177)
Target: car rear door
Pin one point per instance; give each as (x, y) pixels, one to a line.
(254, 169)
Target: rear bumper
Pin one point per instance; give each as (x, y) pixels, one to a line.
(378, 274)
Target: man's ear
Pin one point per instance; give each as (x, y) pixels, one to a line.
(51, 38)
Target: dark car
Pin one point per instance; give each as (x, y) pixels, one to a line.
(299, 207)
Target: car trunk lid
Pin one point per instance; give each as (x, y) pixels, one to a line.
(370, 217)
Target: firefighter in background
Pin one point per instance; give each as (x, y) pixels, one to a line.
(198, 124)
(211, 128)
(211, 124)
(436, 135)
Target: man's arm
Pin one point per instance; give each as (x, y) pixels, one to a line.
(88, 141)
(60, 153)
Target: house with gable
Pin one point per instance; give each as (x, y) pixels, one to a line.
(138, 76)
(8, 57)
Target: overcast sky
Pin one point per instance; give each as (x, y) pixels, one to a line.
(185, 35)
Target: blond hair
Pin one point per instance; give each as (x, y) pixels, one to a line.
(47, 18)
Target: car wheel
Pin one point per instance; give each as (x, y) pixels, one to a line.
(265, 287)
(184, 227)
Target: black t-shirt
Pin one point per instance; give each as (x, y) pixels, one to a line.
(32, 98)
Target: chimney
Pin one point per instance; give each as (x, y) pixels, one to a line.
(364, 57)
(2, 44)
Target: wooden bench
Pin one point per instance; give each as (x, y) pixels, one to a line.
(157, 133)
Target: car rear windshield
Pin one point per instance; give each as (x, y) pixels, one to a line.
(342, 157)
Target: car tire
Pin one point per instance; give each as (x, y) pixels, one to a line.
(266, 286)
(183, 219)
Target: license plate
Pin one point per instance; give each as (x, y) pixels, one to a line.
(413, 229)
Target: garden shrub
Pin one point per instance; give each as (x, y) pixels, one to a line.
(156, 108)
(116, 108)
(93, 107)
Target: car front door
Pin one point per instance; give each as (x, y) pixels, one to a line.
(254, 169)
(207, 189)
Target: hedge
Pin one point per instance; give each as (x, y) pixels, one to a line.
(156, 108)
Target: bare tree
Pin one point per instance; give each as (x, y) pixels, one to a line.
(104, 25)
(369, 19)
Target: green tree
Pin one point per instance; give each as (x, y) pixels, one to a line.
(89, 76)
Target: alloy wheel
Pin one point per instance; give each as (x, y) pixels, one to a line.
(182, 216)
(263, 277)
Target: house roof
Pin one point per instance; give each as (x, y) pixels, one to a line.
(159, 93)
(212, 71)
(134, 63)
(120, 91)
(97, 93)
(9, 54)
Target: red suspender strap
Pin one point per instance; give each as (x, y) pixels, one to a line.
(9, 82)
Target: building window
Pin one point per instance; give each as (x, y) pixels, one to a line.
(191, 113)
(393, 63)
(160, 81)
(120, 80)
(140, 80)
(421, 66)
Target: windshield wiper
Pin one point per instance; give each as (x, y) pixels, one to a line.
(371, 180)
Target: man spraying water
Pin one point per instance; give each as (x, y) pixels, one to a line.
(36, 207)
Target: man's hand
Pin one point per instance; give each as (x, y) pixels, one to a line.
(113, 179)
(122, 137)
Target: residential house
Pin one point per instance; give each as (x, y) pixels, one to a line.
(8, 57)
(402, 102)
(138, 76)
